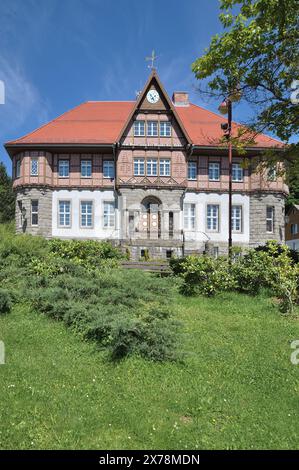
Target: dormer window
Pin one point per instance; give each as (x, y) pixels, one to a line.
(165, 129)
(152, 128)
(139, 128)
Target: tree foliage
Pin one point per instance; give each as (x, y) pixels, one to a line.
(258, 53)
(7, 198)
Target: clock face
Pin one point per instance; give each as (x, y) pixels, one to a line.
(152, 96)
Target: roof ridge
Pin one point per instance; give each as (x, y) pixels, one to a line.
(46, 124)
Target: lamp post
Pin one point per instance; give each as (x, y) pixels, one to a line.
(226, 108)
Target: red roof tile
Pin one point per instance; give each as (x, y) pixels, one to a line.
(100, 122)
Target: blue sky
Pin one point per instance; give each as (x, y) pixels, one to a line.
(56, 54)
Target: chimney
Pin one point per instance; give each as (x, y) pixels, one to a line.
(180, 98)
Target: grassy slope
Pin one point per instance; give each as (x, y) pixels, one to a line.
(235, 389)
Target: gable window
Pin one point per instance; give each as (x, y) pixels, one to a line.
(64, 213)
(139, 128)
(34, 167)
(294, 229)
(109, 214)
(34, 212)
(270, 219)
(237, 218)
(237, 172)
(63, 168)
(189, 216)
(213, 217)
(151, 167)
(192, 170)
(272, 174)
(165, 167)
(86, 214)
(18, 168)
(138, 166)
(165, 129)
(108, 169)
(214, 171)
(152, 128)
(86, 168)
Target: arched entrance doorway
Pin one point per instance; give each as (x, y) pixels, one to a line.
(151, 217)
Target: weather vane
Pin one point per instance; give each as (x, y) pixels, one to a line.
(152, 58)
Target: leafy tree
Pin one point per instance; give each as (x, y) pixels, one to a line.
(257, 54)
(7, 197)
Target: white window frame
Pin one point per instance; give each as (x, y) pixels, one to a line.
(109, 214)
(165, 129)
(108, 168)
(237, 219)
(139, 128)
(164, 166)
(34, 212)
(192, 166)
(152, 129)
(152, 167)
(86, 214)
(63, 164)
(213, 211)
(34, 160)
(214, 171)
(64, 213)
(85, 165)
(189, 216)
(237, 173)
(270, 219)
(139, 165)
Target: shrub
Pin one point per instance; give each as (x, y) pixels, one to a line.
(5, 301)
(205, 275)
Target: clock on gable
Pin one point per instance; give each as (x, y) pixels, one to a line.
(152, 96)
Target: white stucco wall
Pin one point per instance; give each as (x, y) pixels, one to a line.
(75, 231)
(201, 200)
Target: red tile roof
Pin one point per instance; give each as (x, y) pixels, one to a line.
(100, 122)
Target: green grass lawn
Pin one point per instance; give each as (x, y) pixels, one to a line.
(236, 387)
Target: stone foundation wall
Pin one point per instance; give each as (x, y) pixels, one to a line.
(44, 197)
(258, 208)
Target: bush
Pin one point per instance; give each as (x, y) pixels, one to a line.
(5, 301)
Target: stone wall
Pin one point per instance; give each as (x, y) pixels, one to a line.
(24, 198)
(258, 207)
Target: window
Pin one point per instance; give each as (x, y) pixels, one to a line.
(151, 167)
(189, 216)
(63, 168)
(192, 170)
(139, 128)
(138, 166)
(270, 219)
(18, 169)
(20, 206)
(64, 215)
(108, 169)
(272, 175)
(165, 167)
(216, 251)
(34, 212)
(109, 214)
(34, 167)
(237, 218)
(213, 217)
(86, 214)
(86, 168)
(294, 229)
(165, 129)
(237, 172)
(214, 171)
(152, 128)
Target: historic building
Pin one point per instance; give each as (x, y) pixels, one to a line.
(149, 174)
(292, 227)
